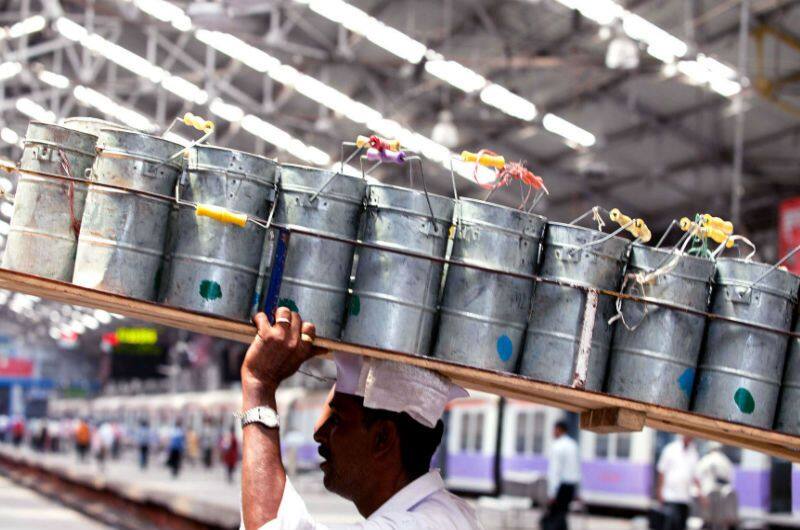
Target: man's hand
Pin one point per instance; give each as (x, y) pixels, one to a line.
(276, 353)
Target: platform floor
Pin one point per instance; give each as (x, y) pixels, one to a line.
(24, 509)
(212, 488)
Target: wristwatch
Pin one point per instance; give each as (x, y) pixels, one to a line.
(263, 415)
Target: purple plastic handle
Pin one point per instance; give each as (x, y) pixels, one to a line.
(392, 157)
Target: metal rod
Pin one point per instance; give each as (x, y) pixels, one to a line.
(445, 261)
(738, 152)
(666, 233)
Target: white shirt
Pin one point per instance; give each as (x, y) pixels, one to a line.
(714, 470)
(424, 504)
(564, 466)
(677, 463)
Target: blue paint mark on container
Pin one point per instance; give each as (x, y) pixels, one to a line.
(686, 380)
(505, 348)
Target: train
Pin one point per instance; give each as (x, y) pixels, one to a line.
(487, 439)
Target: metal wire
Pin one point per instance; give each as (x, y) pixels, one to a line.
(445, 261)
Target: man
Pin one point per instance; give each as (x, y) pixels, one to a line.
(144, 438)
(563, 477)
(176, 447)
(676, 468)
(715, 477)
(377, 434)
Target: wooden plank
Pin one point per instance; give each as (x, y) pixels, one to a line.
(507, 385)
(613, 419)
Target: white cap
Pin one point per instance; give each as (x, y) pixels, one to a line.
(397, 387)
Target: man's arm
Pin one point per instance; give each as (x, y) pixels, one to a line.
(275, 354)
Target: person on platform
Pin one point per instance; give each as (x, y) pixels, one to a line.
(563, 478)
(229, 449)
(676, 467)
(144, 439)
(207, 442)
(83, 438)
(714, 475)
(377, 434)
(176, 447)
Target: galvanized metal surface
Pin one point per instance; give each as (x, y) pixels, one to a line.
(656, 362)
(483, 315)
(92, 126)
(554, 328)
(740, 369)
(213, 266)
(317, 271)
(393, 304)
(121, 246)
(788, 419)
(43, 238)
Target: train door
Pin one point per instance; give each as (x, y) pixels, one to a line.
(617, 469)
(526, 436)
(780, 480)
(471, 445)
(796, 488)
(751, 480)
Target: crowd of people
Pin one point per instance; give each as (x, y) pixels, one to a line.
(171, 443)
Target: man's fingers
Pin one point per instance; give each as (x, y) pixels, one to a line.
(262, 324)
(308, 332)
(283, 316)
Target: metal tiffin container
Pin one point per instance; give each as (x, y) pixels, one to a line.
(212, 264)
(740, 370)
(393, 303)
(483, 314)
(788, 419)
(316, 273)
(89, 125)
(589, 260)
(655, 349)
(124, 227)
(47, 214)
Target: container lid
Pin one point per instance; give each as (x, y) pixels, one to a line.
(410, 201)
(739, 272)
(64, 137)
(305, 179)
(91, 125)
(567, 235)
(236, 163)
(501, 217)
(139, 145)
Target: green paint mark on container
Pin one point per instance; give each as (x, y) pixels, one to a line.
(288, 302)
(744, 400)
(210, 290)
(354, 305)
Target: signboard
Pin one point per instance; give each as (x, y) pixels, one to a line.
(789, 232)
(15, 367)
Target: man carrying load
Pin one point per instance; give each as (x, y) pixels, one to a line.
(377, 434)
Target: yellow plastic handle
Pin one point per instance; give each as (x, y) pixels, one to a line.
(199, 123)
(637, 227)
(716, 223)
(363, 141)
(686, 224)
(221, 214)
(495, 161)
(718, 236)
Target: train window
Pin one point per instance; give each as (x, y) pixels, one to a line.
(478, 421)
(465, 428)
(623, 446)
(538, 432)
(601, 446)
(522, 419)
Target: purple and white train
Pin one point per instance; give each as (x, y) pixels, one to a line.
(618, 469)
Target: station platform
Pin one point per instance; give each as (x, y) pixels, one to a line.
(207, 495)
(23, 509)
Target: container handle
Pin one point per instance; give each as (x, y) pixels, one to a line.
(223, 215)
(780, 262)
(207, 127)
(636, 227)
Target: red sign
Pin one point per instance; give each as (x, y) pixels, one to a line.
(15, 367)
(789, 232)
